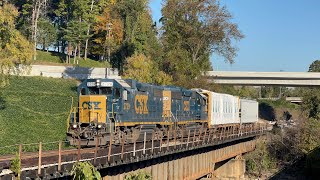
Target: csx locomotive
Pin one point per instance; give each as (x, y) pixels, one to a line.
(115, 109)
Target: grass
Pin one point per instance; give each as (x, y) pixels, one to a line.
(34, 109)
(54, 58)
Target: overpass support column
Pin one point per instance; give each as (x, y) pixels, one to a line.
(234, 169)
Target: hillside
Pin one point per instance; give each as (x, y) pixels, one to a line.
(54, 58)
(277, 110)
(34, 109)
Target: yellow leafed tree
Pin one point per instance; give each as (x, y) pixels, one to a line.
(14, 48)
(116, 33)
(142, 68)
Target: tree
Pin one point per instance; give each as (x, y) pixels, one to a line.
(75, 34)
(315, 66)
(108, 37)
(143, 69)
(47, 33)
(193, 30)
(311, 103)
(310, 135)
(14, 48)
(83, 11)
(32, 10)
(91, 19)
(139, 32)
(61, 14)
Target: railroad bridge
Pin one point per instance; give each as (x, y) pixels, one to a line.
(191, 154)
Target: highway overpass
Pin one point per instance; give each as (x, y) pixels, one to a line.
(289, 79)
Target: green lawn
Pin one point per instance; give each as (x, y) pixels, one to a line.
(54, 58)
(34, 109)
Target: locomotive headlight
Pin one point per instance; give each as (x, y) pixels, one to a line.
(99, 126)
(98, 82)
(74, 126)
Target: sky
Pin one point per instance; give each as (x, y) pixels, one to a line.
(280, 35)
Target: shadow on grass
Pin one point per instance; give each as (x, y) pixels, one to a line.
(2, 103)
(74, 88)
(61, 56)
(50, 54)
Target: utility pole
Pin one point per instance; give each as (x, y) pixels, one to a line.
(280, 94)
(109, 28)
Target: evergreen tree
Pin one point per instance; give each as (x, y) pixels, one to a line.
(75, 34)
(47, 33)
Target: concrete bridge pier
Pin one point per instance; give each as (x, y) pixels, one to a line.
(234, 169)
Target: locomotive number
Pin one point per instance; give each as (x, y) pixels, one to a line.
(126, 106)
(91, 105)
(140, 104)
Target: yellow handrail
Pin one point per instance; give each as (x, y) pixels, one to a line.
(71, 109)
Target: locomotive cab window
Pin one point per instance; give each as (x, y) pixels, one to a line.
(83, 91)
(117, 93)
(106, 90)
(93, 91)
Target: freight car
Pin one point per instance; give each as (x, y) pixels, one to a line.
(115, 109)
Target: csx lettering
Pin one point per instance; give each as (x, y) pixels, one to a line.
(140, 104)
(91, 105)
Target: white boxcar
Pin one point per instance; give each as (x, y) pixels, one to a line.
(224, 109)
(249, 111)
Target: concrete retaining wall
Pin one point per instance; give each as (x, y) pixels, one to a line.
(68, 72)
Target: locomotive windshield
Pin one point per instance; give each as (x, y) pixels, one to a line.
(102, 90)
(106, 90)
(93, 91)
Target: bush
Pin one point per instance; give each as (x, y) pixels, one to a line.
(15, 166)
(85, 170)
(260, 160)
(138, 176)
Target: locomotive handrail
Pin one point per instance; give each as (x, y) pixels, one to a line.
(69, 117)
(175, 120)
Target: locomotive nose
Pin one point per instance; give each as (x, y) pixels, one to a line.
(92, 109)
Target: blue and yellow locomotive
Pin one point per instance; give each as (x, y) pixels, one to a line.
(113, 109)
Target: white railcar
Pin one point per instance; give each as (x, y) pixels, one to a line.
(224, 109)
(249, 111)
